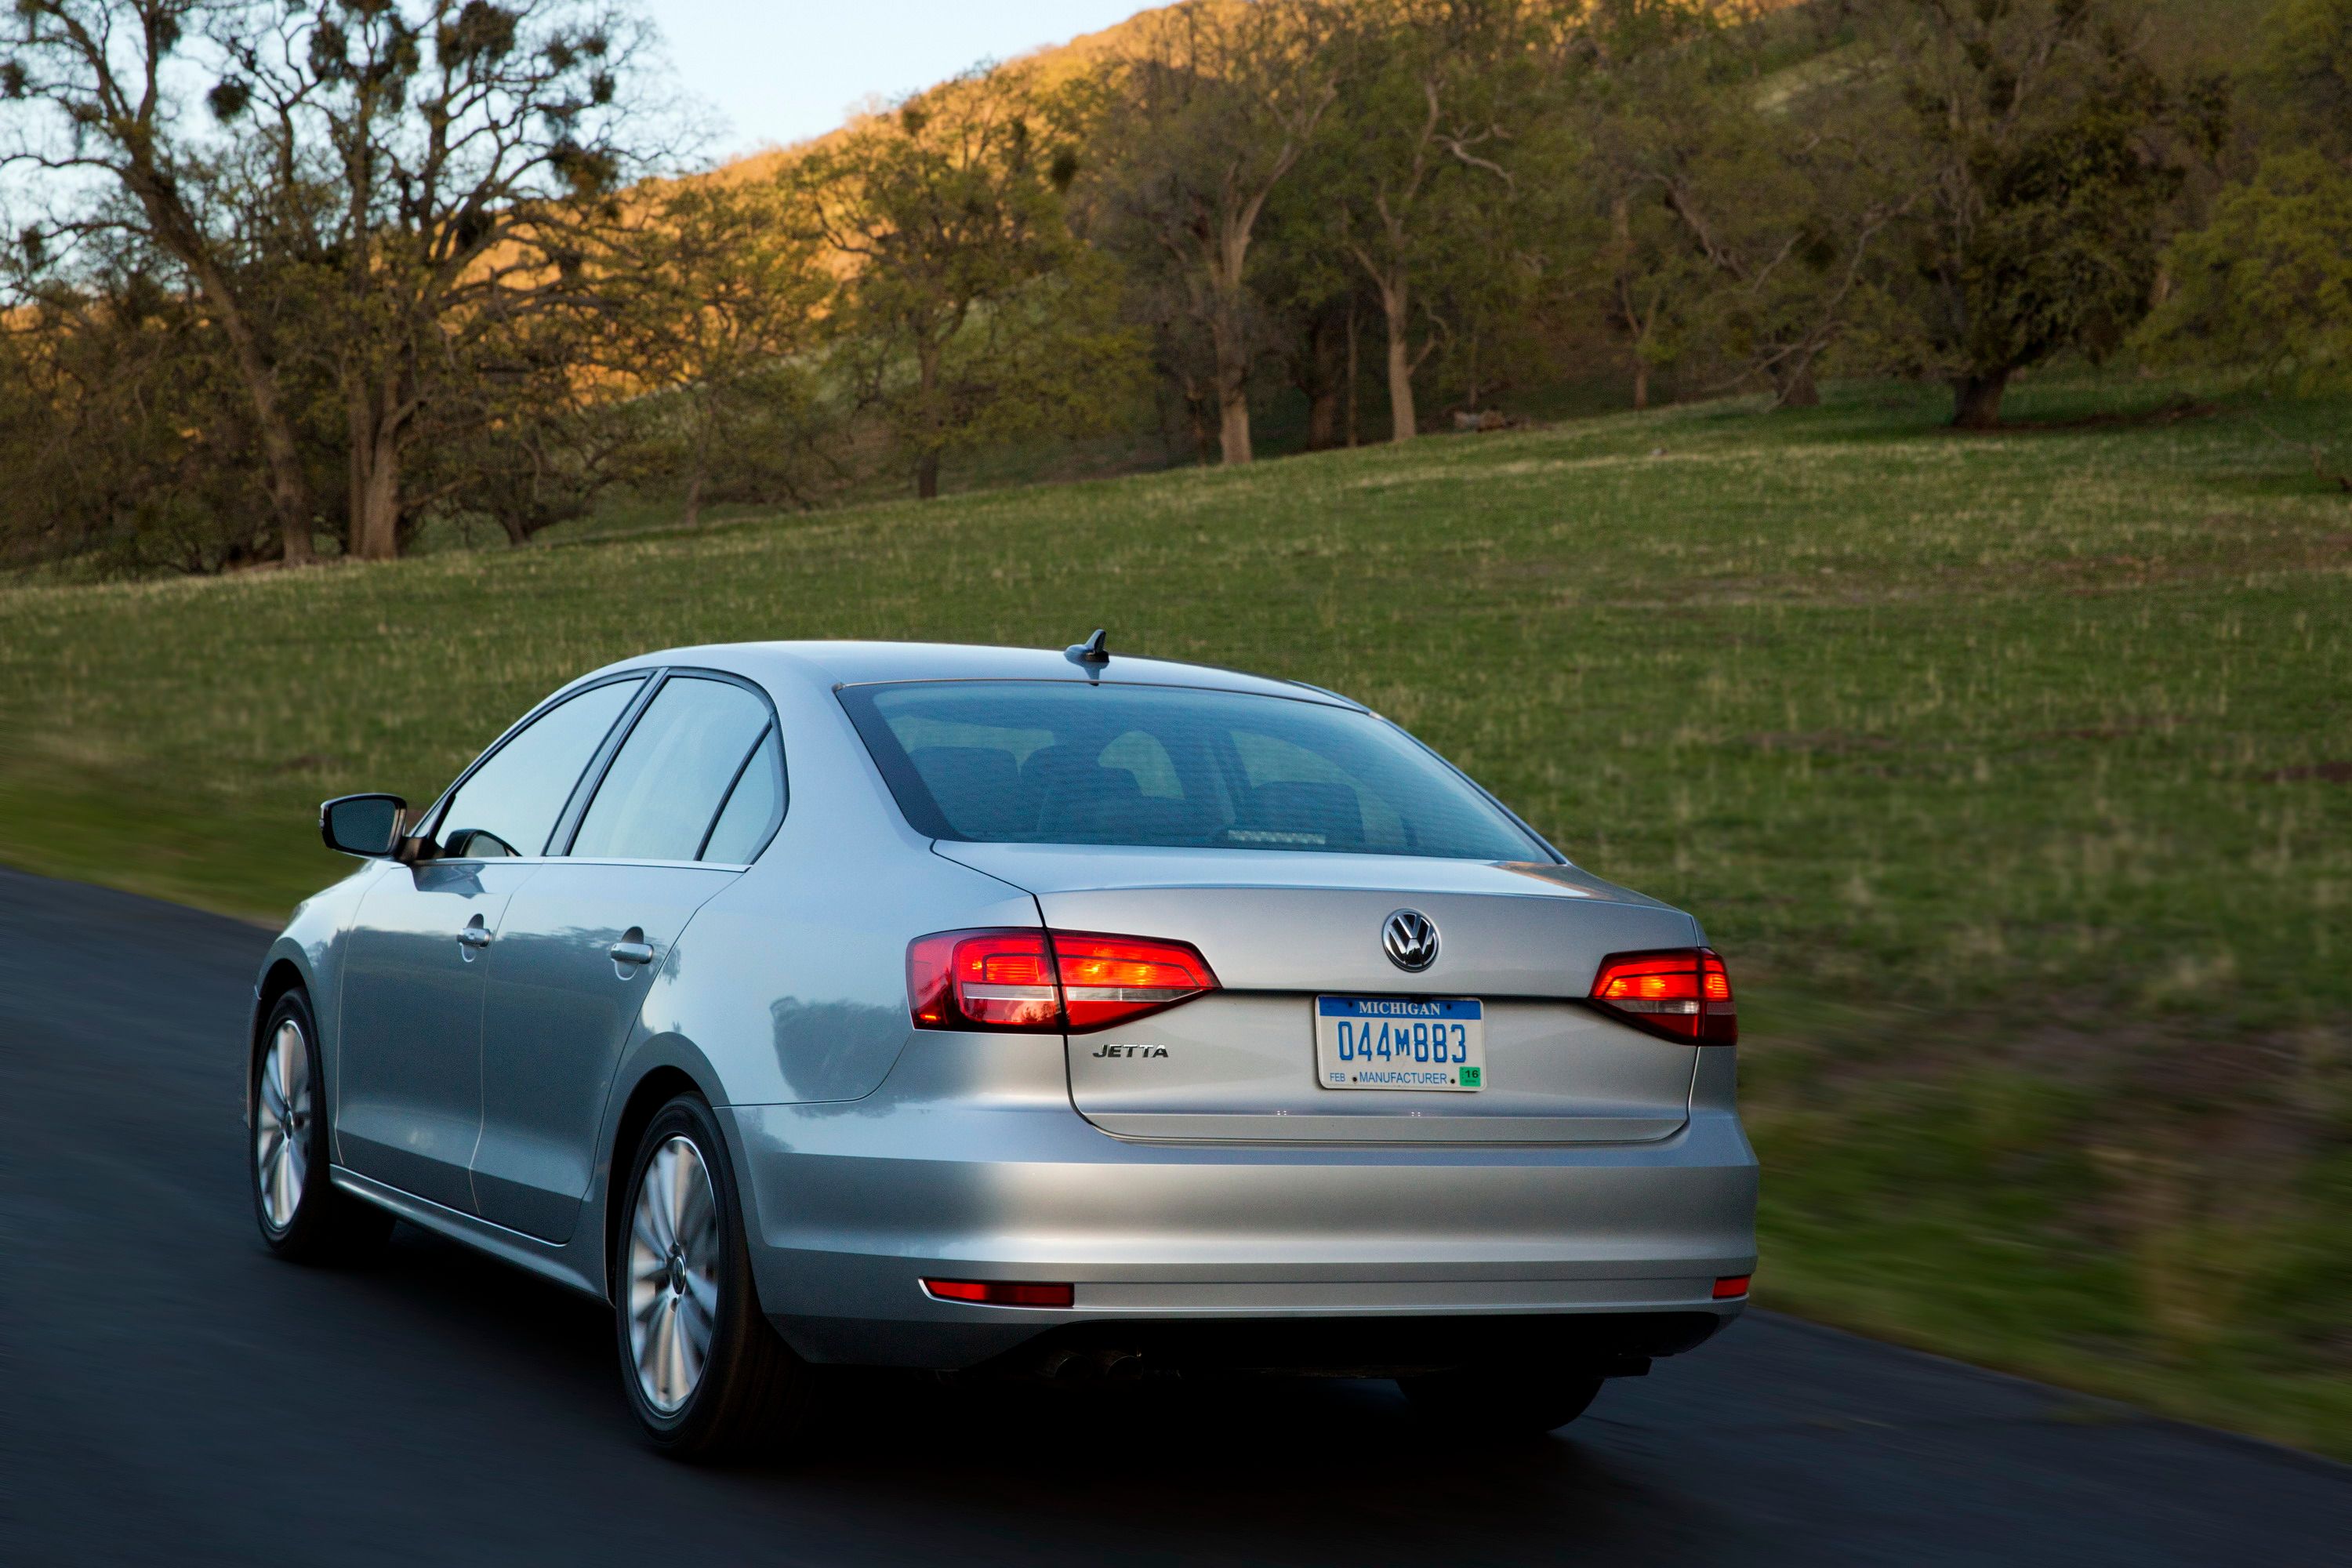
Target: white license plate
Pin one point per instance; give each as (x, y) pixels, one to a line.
(1400, 1042)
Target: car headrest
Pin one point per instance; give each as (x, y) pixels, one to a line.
(977, 788)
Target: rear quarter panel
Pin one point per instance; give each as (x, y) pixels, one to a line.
(791, 983)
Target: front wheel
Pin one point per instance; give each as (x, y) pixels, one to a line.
(301, 1213)
(1500, 1401)
(704, 1372)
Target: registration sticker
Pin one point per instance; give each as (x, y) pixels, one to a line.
(1400, 1042)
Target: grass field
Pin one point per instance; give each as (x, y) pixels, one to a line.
(2013, 773)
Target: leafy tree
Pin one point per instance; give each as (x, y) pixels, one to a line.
(2307, 74)
(368, 186)
(120, 433)
(1744, 221)
(2042, 135)
(528, 430)
(712, 310)
(1305, 299)
(967, 310)
(1433, 94)
(2268, 281)
(1203, 115)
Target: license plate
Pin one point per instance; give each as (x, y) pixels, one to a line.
(1400, 1042)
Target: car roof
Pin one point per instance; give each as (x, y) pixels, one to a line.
(835, 664)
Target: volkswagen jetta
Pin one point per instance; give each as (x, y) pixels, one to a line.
(978, 1008)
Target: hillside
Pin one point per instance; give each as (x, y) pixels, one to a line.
(2214, 35)
(2010, 771)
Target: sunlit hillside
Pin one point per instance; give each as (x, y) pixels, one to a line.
(1055, 63)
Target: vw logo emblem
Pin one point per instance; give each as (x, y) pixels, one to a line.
(1410, 938)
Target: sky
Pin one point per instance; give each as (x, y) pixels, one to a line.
(782, 70)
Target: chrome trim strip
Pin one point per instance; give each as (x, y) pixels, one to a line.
(546, 1260)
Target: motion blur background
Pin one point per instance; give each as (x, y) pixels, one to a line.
(1876, 473)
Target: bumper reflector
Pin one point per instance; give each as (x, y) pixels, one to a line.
(999, 1293)
(1731, 1287)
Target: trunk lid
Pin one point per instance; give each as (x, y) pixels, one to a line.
(1281, 930)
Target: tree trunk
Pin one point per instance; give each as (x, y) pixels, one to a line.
(1976, 400)
(1317, 375)
(177, 232)
(697, 471)
(375, 482)
(281, 455)
(1323, 420)
(927, 475)
(1353, 370)
(1197, 405)
(1794, 386)
(1233, 385)
(1404, 421)
(1641, 384)
(1233, 427)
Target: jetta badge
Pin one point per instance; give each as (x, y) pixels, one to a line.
(1410, 938)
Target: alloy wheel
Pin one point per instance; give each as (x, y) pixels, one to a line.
(281, 1125)
(673, 1275)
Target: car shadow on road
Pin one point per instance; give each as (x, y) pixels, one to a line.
(1279, 1469)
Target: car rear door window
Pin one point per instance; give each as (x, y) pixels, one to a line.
(658, 799)
(754, 808)
(510, 804)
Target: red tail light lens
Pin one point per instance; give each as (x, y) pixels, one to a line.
(1037, 981)
(984, 980)
(1731, 1287)
(1107, 980)
(1684, 993)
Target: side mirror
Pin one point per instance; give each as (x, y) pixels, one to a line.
(367, 825)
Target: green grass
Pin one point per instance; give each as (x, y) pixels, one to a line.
(2010, 771)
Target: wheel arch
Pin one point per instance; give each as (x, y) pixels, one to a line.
(655, 1086)
(282, 975)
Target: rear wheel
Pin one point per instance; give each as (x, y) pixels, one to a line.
(302, 1215)
(703, 1371)
(1500, 1401)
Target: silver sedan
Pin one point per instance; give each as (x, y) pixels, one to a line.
(1044, 1012)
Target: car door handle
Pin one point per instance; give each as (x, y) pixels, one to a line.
(631, 952)
(474, 937)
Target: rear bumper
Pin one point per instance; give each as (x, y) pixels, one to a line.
(850, 1205)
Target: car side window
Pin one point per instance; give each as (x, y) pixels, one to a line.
(658, 799)
(754, 808)
(510, 804)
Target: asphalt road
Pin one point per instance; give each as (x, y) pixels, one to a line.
(171, 1394)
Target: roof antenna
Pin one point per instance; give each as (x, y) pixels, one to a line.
(1095, 650)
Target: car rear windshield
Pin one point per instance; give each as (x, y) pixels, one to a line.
(1034, 761)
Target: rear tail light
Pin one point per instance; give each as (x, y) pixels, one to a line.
(984, 980)
(1684, 993)
(1046, 981)
(1000, 1292)
(1731, 1287)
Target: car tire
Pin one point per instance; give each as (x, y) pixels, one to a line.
(704, 1372)
(1501, 1403)
(303, 1216)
